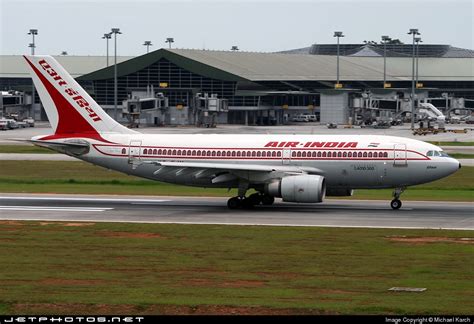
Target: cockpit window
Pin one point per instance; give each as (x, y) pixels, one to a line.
(437, 153)
(444, 154)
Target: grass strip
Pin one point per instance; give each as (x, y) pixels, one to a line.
(159, 268)
(462, 155)
(25, 149)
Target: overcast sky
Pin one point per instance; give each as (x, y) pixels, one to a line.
(265, 25)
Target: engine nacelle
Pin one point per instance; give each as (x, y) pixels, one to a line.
(301, 188)
(332, 192)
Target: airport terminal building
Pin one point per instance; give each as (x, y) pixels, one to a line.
(183, 86)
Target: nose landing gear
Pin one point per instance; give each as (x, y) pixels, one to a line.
(396, 202)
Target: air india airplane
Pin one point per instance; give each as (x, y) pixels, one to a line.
(296, 168)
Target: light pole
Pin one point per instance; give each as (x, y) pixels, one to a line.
(414, 32)
(107, 37)
(385, 39)
(169, 40)
(417, 41)
(115, 31)
(338, 34)
(33, 32)
(147, 44)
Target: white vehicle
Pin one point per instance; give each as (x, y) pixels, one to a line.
(3, 124)
(296, 168)
(311, 118)
(30, 122)
(300, 118)
(12, 124)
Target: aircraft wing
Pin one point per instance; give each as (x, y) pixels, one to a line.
(243, 167)
(220, 172)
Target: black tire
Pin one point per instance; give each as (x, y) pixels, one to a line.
(233, 203)
(247, 203)
(396, 204)
(254, 199)
(267, 200)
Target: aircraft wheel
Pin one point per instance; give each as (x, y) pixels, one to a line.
(254, 199)
(396, 204)
(267, 200)
(234, 203)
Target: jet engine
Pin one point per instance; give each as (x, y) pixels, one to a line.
(301, 188)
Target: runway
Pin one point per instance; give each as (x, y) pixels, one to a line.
(205, 210)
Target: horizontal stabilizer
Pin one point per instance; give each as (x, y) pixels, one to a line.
(71, 147)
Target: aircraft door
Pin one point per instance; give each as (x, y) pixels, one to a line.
(400, 155)
(286, 156)
(134, 151)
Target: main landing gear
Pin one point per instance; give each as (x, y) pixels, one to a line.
(250, 201)
(396, 202)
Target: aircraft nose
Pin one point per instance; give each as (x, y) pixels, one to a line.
(454, 165)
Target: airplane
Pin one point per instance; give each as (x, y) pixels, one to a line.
(295, 168)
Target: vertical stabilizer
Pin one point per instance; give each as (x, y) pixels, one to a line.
(70, 109)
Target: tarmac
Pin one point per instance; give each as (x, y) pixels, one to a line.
(206, 210)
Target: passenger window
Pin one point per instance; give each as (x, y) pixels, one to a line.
(124, 151)
(145, 151)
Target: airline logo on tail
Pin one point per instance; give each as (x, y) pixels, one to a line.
(70, 91)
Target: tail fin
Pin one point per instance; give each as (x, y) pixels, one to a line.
(70, 109)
